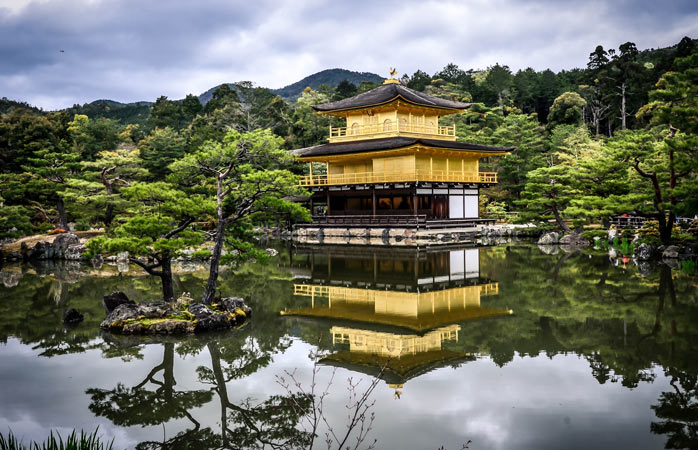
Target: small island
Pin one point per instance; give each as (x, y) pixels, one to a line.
(184, 316)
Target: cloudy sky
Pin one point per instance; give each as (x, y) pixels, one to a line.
(54, 53)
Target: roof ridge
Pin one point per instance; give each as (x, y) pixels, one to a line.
(386, 93)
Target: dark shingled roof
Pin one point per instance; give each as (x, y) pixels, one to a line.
(391, 143)
(386, 93)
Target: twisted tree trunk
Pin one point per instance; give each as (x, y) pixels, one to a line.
(211, 284)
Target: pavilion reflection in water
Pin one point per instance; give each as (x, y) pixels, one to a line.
(394, 308)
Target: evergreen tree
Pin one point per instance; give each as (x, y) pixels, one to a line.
(98, 186)
(244, 175)
(158, 226)
(566, 109)
(307, 127)
(166, 113)
(418, 81)
(50, 169)
(344, 89)
(159, 149)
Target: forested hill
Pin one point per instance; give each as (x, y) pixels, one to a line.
(136, 112)
(7, 105)
(330, 77)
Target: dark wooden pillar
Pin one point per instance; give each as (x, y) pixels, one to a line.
(328, 202)
(373, 202)
(375, 268)
(311, 205)
(414, 201)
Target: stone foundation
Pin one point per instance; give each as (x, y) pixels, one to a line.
(408, 237)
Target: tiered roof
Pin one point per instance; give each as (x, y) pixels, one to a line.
(387, 93)
(393, 143)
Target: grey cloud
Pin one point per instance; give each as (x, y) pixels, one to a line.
(137, 50)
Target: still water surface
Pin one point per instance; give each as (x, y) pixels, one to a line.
(503, 346)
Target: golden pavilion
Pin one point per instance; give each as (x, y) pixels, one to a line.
(394, 163)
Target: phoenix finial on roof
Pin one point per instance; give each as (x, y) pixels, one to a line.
(393, 72)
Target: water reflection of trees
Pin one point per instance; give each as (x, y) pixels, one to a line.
(141, 405)
(677, 411)
(625, 322)
(270, 423)
(621, 322)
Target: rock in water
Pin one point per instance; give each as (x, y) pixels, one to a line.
(42, 250)
(62, 242)
(549, 239)
(671, 252)
(115, 299)
(644, 252)
(72, 316)
(233, 304)
(97, 262)
(206, 319)
(155, 310)
(74, 252)
(120, 314)
(574, 240)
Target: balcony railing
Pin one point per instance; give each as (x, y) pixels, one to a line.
(399, 177)
(366, 295)
(392, 129)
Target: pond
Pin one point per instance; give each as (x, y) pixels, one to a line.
(502, 346)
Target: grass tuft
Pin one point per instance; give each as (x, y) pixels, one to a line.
(83, 441)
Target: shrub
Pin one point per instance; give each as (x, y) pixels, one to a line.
(683, 236)
(15, 222)
(82, 225)
(649, 229)
(651, 240)
(591, 234)
(496, 210)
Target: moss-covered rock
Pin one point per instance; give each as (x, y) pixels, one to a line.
(166, 318)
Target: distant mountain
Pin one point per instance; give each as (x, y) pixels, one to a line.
(136, 112)
(113, 103)
(7, 105)
(206, 96)
(331, 77)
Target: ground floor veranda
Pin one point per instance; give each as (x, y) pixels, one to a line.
(398, 205)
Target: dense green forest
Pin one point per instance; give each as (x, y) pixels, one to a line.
(618, 136)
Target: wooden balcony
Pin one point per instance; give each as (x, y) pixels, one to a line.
(399, 177)
(374, 131)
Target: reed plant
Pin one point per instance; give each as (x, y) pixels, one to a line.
(55, 441)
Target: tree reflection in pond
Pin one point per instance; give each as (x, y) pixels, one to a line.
(678, 411)
(271, 423)
(145, 406)
(635, 328)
